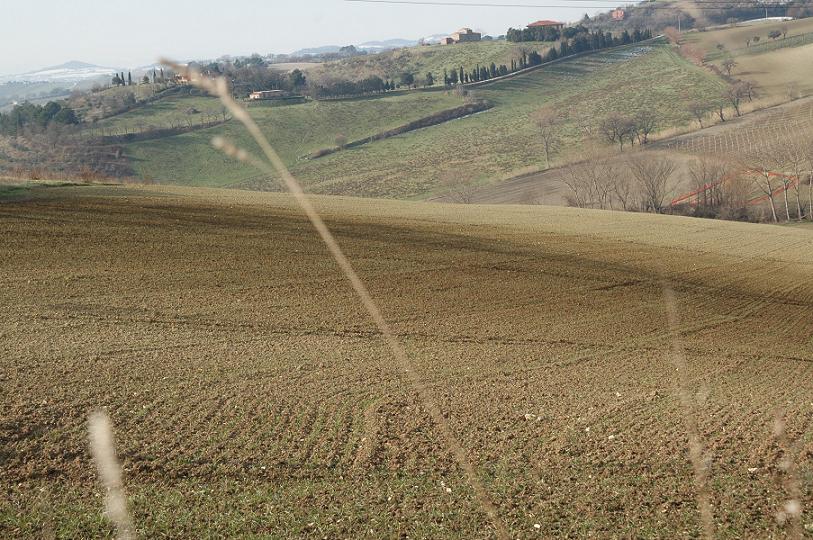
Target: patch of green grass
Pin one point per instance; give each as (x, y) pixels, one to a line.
(164, 113)
(256, 507)
(13, 191)
(295, 131)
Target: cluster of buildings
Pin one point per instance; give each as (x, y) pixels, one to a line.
(547, 24)
(467, 35)
(464, 35)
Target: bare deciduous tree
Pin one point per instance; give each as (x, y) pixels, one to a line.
(763, 178)
(645, 124)
(707, 176)
(653, 177)
(458, 190)
(728, 65)
(698, 110)
(548, 123)
(748, 89)
(791, 160)
(809, 154)
(734, 94)
(591, 184)
(618, 129)
(624, 190)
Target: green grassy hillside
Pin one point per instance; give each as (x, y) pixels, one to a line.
(295, 131)
(478, 149)
(164, 113)
(431, 58)
(491, 145)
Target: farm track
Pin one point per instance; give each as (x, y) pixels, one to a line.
(251, 395)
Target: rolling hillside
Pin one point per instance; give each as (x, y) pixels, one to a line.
(780, 67)
(252, 396)
(295, 130)
(431, 58)
(482, 148)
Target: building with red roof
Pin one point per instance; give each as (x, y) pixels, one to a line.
(545, 24)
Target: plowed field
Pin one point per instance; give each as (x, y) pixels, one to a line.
(253, 397)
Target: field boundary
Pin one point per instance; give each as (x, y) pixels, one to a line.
(152, 134)
(435, 119)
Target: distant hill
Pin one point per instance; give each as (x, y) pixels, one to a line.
(388, 44)
(69, 72)
(312, 51)
(370, 46)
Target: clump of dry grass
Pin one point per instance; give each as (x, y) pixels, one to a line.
(790, 514)
(700, 462)
(104, 454)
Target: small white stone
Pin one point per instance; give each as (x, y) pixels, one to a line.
(793, 508)
(537, 526)
(752, 470)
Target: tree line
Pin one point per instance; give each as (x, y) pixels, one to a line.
(598, 38)
(581, 42)
(28, 117)
(541, 33)
(772, 184)
(158, 77)
(333, 88)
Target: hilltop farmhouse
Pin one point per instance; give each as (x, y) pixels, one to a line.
(464, 35)
(547, 24)
(266, 94)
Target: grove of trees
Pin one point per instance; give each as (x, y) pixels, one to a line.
(30, 118)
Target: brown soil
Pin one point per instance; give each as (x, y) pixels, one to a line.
(252, 396)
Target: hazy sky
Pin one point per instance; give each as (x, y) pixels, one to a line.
(129, 33)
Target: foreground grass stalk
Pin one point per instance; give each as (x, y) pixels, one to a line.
(219, 88)
(104, 454)
(790, 514)
(696, 454)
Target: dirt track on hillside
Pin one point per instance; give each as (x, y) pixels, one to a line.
(251, 394)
